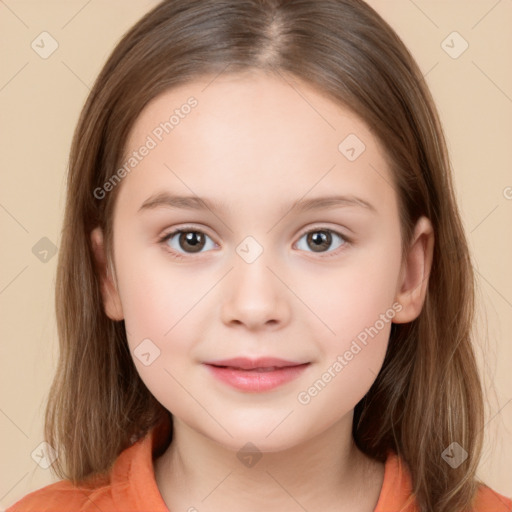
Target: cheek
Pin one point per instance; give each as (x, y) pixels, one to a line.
(352, 297)
(160, 307)
(360, 314)
(148, 304)
(157, 294)
(356, 305)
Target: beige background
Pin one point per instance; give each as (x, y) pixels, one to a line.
(40, 100)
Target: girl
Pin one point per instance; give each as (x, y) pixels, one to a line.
(258, 301)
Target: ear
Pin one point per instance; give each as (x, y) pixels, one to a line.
(414, 274)
(111, 299)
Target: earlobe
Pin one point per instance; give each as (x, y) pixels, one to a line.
(111, 300)
(413, 282)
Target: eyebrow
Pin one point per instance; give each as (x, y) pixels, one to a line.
(165, 199)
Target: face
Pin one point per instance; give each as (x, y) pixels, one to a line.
(264, 266)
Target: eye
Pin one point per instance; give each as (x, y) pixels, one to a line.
(187, 240)
(320, 239)
(191, 241)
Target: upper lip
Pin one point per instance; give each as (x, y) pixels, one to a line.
(246, 363)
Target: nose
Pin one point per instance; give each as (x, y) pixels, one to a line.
(253, 296)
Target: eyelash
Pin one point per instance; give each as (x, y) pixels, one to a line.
(187, 229)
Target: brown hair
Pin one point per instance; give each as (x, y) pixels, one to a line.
(428, 393)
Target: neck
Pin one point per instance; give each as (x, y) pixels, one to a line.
(326, 472)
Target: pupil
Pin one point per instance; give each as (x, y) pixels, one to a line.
(321, 240)
(193, 239)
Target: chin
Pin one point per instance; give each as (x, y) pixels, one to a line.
(256, 443)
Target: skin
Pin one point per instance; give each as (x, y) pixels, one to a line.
(257, 145)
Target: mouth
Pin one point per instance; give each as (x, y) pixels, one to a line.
(255, 375)
(267, 369)
(260, 363)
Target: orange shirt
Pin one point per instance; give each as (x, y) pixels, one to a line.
(131, 487)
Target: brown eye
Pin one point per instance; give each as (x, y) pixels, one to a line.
(187, 241)
(320, 240)
(191, 241)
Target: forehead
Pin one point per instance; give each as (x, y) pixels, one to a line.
(250, 99)
(257, 134)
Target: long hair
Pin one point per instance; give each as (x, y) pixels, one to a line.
(428, 393)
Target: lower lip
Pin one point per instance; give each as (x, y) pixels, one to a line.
(254, 380)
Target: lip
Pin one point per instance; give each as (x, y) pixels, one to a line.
(255, 375)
